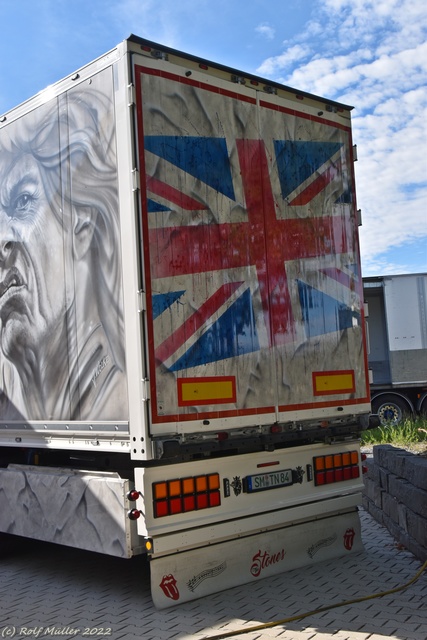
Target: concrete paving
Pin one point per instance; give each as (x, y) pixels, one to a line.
(50, 591)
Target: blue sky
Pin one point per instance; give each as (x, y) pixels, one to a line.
(371, 54)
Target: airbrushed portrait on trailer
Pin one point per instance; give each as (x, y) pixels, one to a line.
(61, 310)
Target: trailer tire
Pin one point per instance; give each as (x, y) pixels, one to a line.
(390, 409)
(423, 408)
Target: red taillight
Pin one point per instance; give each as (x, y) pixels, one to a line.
(189, 503)
(175, 505)
(182, 495)
(272, 463)
(161, 508)
(338, 475)
(336, 467)
(330, 476)
(320, 478)
(134, 514)
(133, 495)
(214, 499)
(202, 501)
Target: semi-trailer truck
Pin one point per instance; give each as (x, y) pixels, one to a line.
(397, 345)
(183, 363)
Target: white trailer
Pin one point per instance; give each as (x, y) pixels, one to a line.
(183, 366)
(397, 321)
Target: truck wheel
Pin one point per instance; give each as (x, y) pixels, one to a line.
(390, 409)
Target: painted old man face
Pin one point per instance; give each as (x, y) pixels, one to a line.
(31, 257)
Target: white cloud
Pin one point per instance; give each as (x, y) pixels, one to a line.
(373, 55)
(265, 30)
(273, 65)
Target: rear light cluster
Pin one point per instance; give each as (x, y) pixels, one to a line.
(336, 467)
(186, 494)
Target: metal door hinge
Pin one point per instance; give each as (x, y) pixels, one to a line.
(136, 183)
(145, 389)
(131, 95)
(142, 301)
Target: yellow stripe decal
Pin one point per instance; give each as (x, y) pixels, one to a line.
(195, 391)
(333, 382)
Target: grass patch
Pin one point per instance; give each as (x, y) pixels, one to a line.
(408, 433)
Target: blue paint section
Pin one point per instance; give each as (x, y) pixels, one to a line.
(233, 334)
(155, 207)
(323, 313)
(345, 198)
(297, 160)
(206, 159)
(161, 302)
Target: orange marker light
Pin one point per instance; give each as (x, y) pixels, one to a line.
(346, 459)
(160, 490)
(174, 487)
(213, 481)
(329, 462)
(201, 484)
(337, 460)
(188, 486)
(319, 464)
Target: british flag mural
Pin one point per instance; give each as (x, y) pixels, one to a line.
(250, 248)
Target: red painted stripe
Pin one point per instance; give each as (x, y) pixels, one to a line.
(196, 83)
(170, 193)
(195, 321)
(341, 277)
(306, 116)
(230, 245)
(316, 186)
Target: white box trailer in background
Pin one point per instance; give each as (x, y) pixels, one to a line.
(397, 321)
(183, 360)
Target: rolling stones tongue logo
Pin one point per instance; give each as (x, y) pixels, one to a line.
(349, 539)
(169, 588)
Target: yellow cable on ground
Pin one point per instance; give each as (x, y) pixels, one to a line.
(268, 625)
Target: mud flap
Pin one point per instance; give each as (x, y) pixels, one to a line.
(199, 572)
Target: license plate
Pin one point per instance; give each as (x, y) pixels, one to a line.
(271, 480)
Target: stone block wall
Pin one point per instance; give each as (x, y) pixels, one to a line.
(395, 494)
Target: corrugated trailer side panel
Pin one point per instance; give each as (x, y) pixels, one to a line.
(407, 332)
(62, 354)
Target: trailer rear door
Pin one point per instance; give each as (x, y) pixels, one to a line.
(250, 252)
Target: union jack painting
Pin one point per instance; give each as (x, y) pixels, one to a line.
(249, 239)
